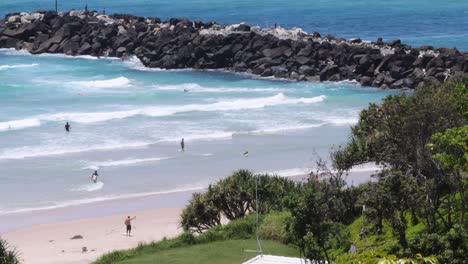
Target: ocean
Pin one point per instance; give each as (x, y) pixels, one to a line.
(127, 121)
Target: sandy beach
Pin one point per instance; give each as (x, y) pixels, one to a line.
(45, 236)
(52, 243)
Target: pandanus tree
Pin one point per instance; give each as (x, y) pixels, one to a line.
(8, 255)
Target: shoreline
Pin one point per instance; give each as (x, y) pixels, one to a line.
(15, 221)
(44, 236)
(136, 202)
(52, 243)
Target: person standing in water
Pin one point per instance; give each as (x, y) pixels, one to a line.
(94, 176)
(182, 144)
(67, 127)
(128, 224)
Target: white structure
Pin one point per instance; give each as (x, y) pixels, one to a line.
(269, 259)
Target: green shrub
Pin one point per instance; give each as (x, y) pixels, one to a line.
(275, 225)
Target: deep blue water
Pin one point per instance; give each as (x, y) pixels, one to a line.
(416, 22)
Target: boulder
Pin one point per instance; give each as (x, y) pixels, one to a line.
(242, 27)
(7, 42)
(366, 81)
(328, 71)
(85, 49)
(70, 47)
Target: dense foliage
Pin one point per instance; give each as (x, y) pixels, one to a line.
(415, 205)
(233, 198)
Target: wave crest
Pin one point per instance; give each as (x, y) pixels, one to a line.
(14, 66)
(19, 124)
(109, 83)
(159, 111)
(125, 162)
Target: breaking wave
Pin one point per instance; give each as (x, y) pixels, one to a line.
(6, 67)
(159, 111)
(19, 124)
(53, 150)
(125, 162)
(110, 83)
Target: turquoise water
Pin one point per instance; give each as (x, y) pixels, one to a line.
(416, 22)
(127, 121)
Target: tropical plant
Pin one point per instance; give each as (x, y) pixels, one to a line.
(234, 198)
(8, 255)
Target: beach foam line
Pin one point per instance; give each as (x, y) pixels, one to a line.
(90, 187)
(15, 66)
(300, 171)
(213, 135)
(23, 52)
(160, 111)
(118, 82)
(287, 172)
(19, 124)
(197, 88)
(134, 63)
(43, 151)
(278, 130)
(124, 162)
(71, 203)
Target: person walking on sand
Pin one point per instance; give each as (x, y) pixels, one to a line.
(67, 127)
(182, 144)
(128, 224)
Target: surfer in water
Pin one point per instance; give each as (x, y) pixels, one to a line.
(94, 177)
(67, 127)
(182, 144)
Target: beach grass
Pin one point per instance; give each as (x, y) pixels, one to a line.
(222, 252)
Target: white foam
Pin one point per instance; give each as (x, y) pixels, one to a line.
(14, 66)
(367, 167)
(12, 51)
(19, 124)
(118, 82)
(53, 150)
(207, 136)
(280, 129)
(90, 187)
(159, 111)
(125, 162)
(135, 63)
(194, 87)
(288, 172)
(342, 120)
(23, 52)
(56, 205)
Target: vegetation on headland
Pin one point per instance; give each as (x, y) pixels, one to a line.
(413, 212)
(230, 243)
(420, 140)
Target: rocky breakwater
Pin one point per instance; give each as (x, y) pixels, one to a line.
(180, 43)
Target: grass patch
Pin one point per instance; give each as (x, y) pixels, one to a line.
(222, 252)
